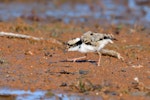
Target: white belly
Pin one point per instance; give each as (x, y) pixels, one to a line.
(83, 48)
(86, 48)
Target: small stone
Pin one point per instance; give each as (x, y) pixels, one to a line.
(63, 84)
(97, 93)
(48, 54)
(7, 75)
(137, 66)
(136, 79)
(2, 61)
(28, 53)
(123, 70)
(65, 72)
(83, 72)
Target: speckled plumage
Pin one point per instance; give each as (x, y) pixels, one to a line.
(90, 42)
(94, 38)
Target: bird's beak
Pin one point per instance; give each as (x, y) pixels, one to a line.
(111, 42)
(67, 47)
(115, 39)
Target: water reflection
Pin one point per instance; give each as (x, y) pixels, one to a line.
(113, 11)
(74, 97)
(21, 94)
(9, 94)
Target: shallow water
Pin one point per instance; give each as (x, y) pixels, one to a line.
(112, 11)
(9, 94)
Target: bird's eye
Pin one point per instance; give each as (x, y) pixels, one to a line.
(105, 37)
(91, 34)
(69, 44)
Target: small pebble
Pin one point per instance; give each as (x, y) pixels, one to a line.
(63, 84)
(83, 72)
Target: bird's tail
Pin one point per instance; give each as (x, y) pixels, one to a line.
(109, 36)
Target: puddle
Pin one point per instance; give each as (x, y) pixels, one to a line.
(113, 11)
(9, 94)
(21, 94)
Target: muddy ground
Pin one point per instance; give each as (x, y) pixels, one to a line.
(28, 64)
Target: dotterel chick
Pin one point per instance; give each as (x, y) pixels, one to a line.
(90, 42)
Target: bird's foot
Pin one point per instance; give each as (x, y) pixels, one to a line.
(119, 57)
(75, 59)
(112, 53)
(98, 64)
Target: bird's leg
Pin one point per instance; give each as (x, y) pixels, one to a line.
(112, 53)
(75, 59)
(99, 60)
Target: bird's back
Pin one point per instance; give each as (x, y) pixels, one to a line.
(93, 38)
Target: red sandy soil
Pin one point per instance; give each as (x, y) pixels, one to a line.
(28, 64)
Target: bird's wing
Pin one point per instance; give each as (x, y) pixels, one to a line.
(87, 37)
(91, 38)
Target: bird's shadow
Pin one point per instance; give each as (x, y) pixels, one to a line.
(80, 61)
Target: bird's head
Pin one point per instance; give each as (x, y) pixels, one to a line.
(74, 42)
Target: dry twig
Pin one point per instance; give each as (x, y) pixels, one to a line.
(22, 36)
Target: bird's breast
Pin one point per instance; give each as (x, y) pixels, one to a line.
(86, 48)
(103, 43)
